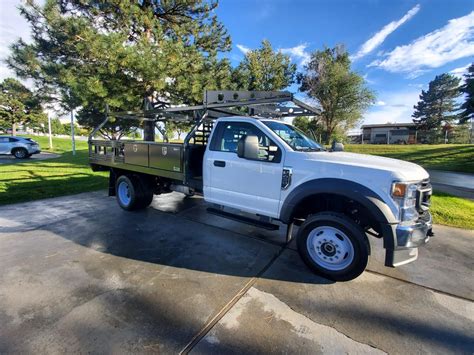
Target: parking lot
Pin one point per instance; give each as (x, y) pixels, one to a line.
(78, 274)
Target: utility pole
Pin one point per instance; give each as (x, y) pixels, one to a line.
(72, 133)
(50, 133)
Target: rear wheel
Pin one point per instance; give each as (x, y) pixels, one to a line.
(20, 153)
(333, 246)
(132, 193)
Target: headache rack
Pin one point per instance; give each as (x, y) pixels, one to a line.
(176, 160)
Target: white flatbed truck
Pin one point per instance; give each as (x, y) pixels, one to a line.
(258, 169)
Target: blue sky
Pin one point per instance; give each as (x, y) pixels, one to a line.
(398, 46)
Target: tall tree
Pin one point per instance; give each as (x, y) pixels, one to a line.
(19, 106)
(437, 105)
(264, 69)
(341, 92)
(467, 88)
(117, 52)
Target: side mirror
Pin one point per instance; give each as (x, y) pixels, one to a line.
(248, 147)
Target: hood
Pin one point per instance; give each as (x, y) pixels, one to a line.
(400, 169)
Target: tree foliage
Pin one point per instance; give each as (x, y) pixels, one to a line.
(467, 88)
(19, 106)
(116, 52)
(309, 125)
(264, 69)
(437, 105)
(341, 92)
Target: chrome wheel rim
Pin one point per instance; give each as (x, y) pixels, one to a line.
(330, 248)
(20, 153)
(124, 193)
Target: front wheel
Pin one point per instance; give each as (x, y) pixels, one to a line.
(333, 246)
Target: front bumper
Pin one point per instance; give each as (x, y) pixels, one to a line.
(408, 239)
(412, 236)
(34, 150)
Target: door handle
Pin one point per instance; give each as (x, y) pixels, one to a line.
(219, 163)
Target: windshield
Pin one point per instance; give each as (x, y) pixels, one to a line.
(293, 136)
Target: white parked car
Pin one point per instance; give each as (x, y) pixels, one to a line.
(19, 147)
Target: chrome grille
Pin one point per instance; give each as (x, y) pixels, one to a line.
(423, 195)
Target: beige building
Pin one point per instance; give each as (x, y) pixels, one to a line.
(389, 133)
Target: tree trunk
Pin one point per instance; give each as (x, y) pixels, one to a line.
(149, 131)
(13, 129)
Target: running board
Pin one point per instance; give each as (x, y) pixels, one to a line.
(242, 219)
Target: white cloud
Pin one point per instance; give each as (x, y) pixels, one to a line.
(397, 107)
(377, 39)
(437, 48)
(459, 72)
(12, 27)
(380, 103)
(366, 78)
(298, 54)
(243, 48)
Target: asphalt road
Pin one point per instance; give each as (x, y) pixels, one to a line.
(10, 159)
(457, 184)
(78, 274)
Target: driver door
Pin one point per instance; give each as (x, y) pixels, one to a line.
(252, 186)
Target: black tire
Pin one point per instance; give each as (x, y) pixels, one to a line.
(20, 153)
(333, 246)
(146, 198)
(132, 193)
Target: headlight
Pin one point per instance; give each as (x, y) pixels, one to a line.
(405, 195)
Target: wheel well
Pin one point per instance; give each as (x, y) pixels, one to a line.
(337, 203)
(157, 184)
(18, 148)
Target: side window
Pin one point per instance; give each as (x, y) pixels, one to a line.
(4, 140)
(12, 140)
(228, 134)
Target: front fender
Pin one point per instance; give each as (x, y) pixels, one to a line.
(352, 190)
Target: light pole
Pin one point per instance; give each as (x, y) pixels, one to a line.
(50, 133)
(72, 133)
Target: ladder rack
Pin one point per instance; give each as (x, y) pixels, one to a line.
(216, 104)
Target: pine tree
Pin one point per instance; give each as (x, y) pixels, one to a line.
(264, 69)
(19, 105)
(437, 105)
(467, 88)
(116, 52)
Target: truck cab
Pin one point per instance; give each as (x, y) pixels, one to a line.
(267, 172)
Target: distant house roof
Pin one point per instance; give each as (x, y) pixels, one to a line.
(388, 125)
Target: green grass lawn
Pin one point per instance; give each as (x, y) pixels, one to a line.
(452, 157)
(452, 211)
(68, 174)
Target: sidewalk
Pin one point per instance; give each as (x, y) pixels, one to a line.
(457, 184)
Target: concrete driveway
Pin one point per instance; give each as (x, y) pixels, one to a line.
(78, 274)
(10, 159)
